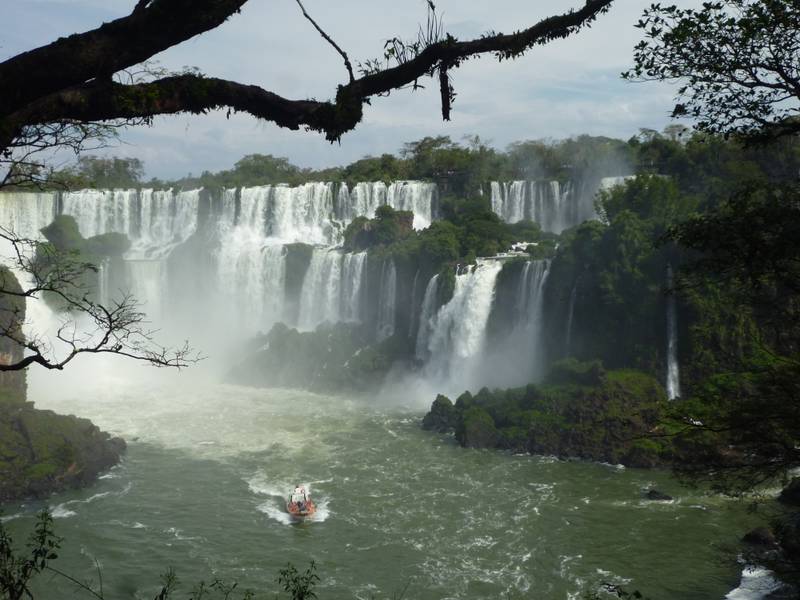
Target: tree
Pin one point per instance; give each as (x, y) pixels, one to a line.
(62, 273)
(737, 61)
(70, 82)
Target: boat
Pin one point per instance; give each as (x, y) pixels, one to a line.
(300, 505)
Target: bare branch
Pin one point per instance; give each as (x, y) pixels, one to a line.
(116, 328)
(328, 39)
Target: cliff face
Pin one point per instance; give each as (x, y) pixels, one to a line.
(41, 452)
(12, 314)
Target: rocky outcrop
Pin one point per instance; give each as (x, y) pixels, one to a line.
(791, 493)
(442, 416)
(579, 411)
(657, 496)
(41, 452)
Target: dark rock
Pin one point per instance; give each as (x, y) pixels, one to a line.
(762, 537)
(791, 493)
(442, 416)
(654, 494)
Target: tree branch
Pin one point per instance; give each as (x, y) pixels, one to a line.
(328, 39)
(103, 99)
(151, 28)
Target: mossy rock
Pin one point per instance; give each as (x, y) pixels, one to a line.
(442, 416)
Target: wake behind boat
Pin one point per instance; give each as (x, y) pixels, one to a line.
(300, 505)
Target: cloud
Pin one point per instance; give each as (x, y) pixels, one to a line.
(568, 87)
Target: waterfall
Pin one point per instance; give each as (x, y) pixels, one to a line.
(458, 335)
(320, 298)
(300, 214)
(387, 301)
(353, 271)
(25, 213)
(426, 317)
(147, 282)
(103, 283)
(673, 369)
(551, 204)
(517, 357)
(365, 198)
(250, 268)
(412, 324)
(570, 316)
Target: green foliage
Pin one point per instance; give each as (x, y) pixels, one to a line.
(105, 173)
(579, 411)
(300, 586)
(388, 226)
(722, 88)
(18, 568)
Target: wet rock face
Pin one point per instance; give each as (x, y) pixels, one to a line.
(791, 493)
(761, 537)
(658, 496)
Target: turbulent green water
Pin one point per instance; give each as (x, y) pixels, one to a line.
(203, 483)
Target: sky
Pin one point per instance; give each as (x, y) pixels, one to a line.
(565, 88)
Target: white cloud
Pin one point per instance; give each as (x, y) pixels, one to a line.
(568, 87)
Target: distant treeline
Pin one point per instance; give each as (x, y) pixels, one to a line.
(460, 168)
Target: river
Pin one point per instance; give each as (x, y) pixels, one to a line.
(201, 489)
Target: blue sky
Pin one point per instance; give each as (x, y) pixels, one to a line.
(569, 87)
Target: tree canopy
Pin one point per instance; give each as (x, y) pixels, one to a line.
(737, 63)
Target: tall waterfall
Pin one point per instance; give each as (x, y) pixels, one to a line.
(570, 317)
(426, 316)
(353, 270)
(673, 369)
(387, 302)
(412, 319)
(518, 358)
(458, 334)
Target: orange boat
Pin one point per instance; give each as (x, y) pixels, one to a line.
(300, 505)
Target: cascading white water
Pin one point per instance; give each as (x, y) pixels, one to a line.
(250, 267)
(426, 316)
(554, 206)
(353, 271)
(387, 301)
(570, 317)
(412, 319)
(364, 199)
(148, 283)
(673, 369)
(333, 288)
(301, 214)
(321, 289)
(166, 219)
(518, 357)
(458, 335)
(24, 214)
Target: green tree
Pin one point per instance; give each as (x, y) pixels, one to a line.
(736, 61)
